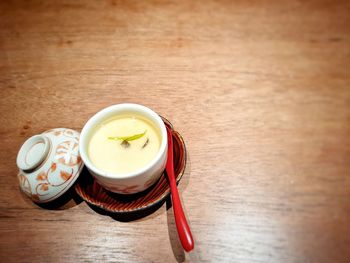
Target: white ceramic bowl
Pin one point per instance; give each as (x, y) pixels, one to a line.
(132, 182)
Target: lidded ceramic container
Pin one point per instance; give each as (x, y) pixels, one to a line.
(49, 164)
(132, 182)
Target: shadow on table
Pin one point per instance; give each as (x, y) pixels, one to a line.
(66, 201)
(144, 214)
(131, 216)
(71, 199)
(175, 242)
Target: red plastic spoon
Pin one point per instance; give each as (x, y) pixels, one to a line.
(181, 223)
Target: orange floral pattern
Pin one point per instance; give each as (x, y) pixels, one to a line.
(125, 189)
(67, 153)
(44, 176)
(44, 187)
(64, 175)
(56, 173)
(71, 134)
(53, 167)
(41, 176)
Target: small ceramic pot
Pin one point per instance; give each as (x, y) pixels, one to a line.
(49, 164)
(132, 182)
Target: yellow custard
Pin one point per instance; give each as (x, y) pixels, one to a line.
(124, 144)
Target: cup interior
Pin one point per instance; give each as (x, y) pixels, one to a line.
(121, 110)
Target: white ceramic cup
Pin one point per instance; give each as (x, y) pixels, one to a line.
(132, 182)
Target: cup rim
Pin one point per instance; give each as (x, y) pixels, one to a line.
(99, 117)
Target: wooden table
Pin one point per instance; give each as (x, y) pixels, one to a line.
(260, 91)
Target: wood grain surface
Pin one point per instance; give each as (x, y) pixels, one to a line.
(260, 91)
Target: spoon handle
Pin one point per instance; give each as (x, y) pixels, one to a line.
(181, 223)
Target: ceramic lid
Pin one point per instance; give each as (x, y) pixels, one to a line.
(49, 164)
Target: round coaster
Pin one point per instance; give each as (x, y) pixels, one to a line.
(94, 194)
